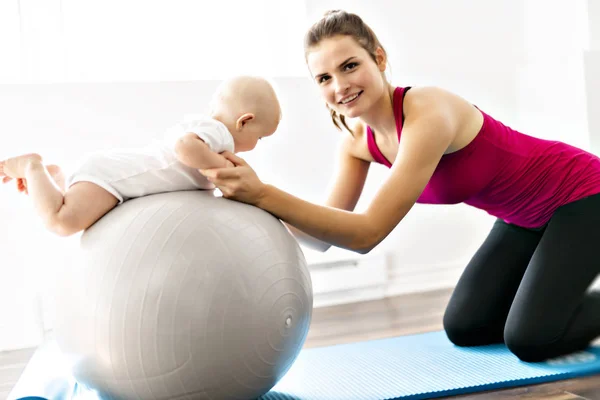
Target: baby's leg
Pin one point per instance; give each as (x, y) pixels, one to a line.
(64, 213)
(57, 175)
(84, 203)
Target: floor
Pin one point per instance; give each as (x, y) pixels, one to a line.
(12, 365)
(422, 312)
(395, 316)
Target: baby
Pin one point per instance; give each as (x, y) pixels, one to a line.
(243, 110)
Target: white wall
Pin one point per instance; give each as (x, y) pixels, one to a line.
(592, 77)
(499, 54)
(464, 46)
(551, 93)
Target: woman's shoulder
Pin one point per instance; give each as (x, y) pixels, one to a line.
(432, 98)
(461, 118)
(416, 95)
(358, 128)
(355, 143)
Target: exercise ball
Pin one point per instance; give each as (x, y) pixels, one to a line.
(184, 295)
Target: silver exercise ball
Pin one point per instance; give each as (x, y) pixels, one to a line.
(184, 295)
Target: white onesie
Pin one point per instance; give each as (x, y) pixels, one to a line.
(130, 173)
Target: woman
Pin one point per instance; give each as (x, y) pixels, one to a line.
(527, 284)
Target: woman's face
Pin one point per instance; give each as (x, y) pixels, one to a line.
(349, 80)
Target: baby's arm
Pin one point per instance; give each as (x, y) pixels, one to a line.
(195, 153)
(64, 213)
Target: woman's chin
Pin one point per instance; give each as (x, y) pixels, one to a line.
(352, 113)
(348, 112)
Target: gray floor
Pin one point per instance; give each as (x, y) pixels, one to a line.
(12, 364)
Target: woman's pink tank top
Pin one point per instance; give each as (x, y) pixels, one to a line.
(518, 178)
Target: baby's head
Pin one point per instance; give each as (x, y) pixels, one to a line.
(249, 108)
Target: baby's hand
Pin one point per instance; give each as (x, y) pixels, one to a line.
(229, 164)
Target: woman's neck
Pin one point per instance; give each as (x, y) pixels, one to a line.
(381, 115)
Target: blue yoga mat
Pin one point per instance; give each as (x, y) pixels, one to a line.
(422, 366)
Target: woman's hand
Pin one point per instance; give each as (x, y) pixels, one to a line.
(238, 183)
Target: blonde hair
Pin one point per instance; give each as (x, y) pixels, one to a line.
(339, 22)
(244, 93)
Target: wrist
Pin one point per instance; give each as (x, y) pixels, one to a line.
(263, 195)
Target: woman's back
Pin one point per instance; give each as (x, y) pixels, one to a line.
(513, 176)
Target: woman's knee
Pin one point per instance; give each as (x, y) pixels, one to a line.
(531, 342)
(464, 331)
(453, 328)
(526, 348)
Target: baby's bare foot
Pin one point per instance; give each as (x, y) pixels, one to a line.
(15, 167)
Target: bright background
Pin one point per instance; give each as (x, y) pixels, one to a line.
(83, 75)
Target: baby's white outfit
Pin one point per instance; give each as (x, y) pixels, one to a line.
(130, 173)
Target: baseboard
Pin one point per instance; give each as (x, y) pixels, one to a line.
(413, 279)
(15, 339)
(348, 296)
(399, 281)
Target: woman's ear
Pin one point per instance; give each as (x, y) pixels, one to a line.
(243, 120)
(381, 59)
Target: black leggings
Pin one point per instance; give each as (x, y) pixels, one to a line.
(529, 288)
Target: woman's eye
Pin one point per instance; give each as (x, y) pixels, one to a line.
(350, 66)
(323, 79)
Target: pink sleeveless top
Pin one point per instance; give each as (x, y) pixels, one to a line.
(518, 178)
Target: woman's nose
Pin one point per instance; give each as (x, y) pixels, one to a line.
(341, 87)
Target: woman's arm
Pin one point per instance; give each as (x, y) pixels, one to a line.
(428, 131)
(345, 192)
